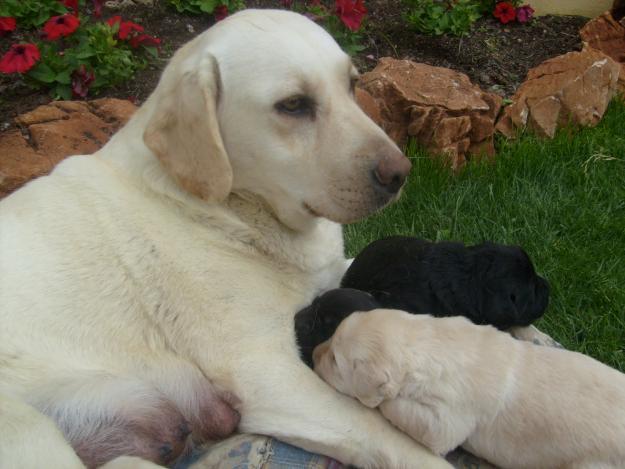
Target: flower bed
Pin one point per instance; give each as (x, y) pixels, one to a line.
(494, 55)
(67, 49)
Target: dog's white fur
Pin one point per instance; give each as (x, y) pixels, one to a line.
(180, 251)
(447, 382)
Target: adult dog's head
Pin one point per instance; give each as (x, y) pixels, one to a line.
(263, 102)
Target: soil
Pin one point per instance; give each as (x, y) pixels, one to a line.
(495, 56)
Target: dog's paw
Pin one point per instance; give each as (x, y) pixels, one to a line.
(532, 334)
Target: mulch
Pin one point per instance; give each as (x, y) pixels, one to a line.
(495, 56)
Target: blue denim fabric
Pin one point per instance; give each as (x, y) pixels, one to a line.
(262, 452)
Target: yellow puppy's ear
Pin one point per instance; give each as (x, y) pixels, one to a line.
(373, 382)
(183, 131)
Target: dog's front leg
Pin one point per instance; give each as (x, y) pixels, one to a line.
(283, 398)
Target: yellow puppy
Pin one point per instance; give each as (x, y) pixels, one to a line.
(448, 383)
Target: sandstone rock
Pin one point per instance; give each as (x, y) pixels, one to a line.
(574, 87)
(19, 162)
(607, 35)
(41, 114)
(440, 107)
(52, 132)
(113, 111)
(368, 104)
(75, 134)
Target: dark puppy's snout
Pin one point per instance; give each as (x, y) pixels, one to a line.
(391, 171)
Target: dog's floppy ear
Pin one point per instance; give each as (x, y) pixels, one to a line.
(183, 131)
(373, 382)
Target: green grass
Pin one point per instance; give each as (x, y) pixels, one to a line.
(563, 200)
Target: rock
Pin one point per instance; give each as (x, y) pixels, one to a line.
(439, 107)
(607, 35)
(19, 162)
(575, 87)
(54, 131)
(113, 111)
(41, 114)
(368, 104)
(119, 4)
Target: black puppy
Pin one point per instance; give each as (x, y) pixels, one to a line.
(316, 323)
(488, 283)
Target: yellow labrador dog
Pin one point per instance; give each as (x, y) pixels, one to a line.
(148, 291)
(447, 382)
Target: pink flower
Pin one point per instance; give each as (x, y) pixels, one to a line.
(524, 13)
(60, 26)
(81, 81)
(351, 13)
(20, 58)
(7, 25)
(97, 8)
(220, 12)
(144, 40)
(504, 12)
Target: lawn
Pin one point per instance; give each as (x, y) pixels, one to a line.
(563, 200)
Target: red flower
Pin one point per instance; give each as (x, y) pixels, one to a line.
(71, 5)
(113, 20)
(7, 24)
(220, 12)
(286, 3)
(81, 81)
(60, 26)
(144, 40)
(351, 13)
(20, 58)
(505, 12)
(126, 28)
(97, 8)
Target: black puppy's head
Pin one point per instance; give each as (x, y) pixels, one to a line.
(510, 293)
(316, 323)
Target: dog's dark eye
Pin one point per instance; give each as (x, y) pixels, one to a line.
(296, 106)
(512, 297)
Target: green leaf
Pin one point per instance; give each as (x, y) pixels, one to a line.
(85, 54)
(208, 6)
(153, 51)
(43, 73)
(62, 92)
(63, 77)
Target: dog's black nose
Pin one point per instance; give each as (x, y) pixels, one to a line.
(391, 171)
